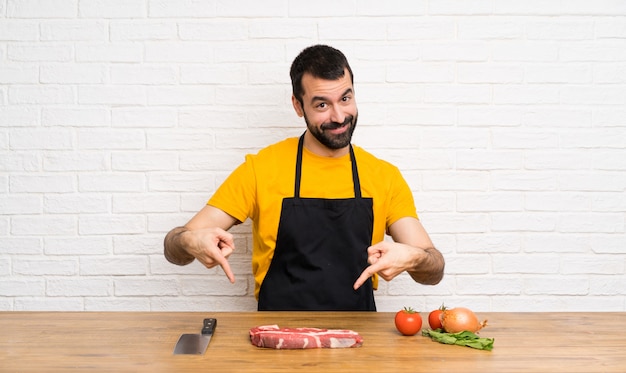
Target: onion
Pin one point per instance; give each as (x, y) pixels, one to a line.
(459, 319)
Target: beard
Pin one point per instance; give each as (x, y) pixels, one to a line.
(330, 140)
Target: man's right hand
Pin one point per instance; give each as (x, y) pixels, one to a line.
(205, 238)
(211, 247)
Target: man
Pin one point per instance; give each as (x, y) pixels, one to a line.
(319, 206)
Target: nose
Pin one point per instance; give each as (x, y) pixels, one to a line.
(337, 115)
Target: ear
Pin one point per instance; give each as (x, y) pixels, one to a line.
(297, 106)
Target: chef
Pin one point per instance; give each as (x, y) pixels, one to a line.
(320, 207)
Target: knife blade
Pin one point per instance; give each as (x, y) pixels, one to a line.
(196, 344)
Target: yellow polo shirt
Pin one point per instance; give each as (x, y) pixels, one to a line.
(257, 187)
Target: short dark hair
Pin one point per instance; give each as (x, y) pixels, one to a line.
(321, 61)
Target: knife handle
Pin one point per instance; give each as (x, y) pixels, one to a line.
(208, 326)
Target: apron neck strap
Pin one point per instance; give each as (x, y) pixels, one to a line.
(355, 172)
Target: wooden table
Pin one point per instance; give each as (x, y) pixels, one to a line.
(144, 341)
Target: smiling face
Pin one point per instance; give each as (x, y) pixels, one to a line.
(330, 112)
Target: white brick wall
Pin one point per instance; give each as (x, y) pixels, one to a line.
(118, 119)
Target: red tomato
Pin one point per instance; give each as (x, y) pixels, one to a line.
(408, 321)
(434, 318)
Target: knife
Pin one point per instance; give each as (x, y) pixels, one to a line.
(196, 344)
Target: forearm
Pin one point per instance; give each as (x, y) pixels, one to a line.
(429, 267)
(174, 247)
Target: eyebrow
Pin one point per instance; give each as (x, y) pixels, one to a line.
(324, 98)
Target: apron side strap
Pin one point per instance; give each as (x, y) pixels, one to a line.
(355, 175)
(296, 192)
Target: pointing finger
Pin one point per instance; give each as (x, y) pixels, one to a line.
(228, 271)
(226, 250)
(367, 273)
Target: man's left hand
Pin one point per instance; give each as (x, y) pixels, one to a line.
(388, 259)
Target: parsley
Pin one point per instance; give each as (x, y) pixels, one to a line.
(464, 338)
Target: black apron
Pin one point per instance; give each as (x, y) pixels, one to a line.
(321, 249)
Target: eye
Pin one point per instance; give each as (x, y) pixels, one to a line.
(321, 105)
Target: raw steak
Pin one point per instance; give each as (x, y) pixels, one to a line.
(271, 336)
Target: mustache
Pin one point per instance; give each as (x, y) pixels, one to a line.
(335, 125)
